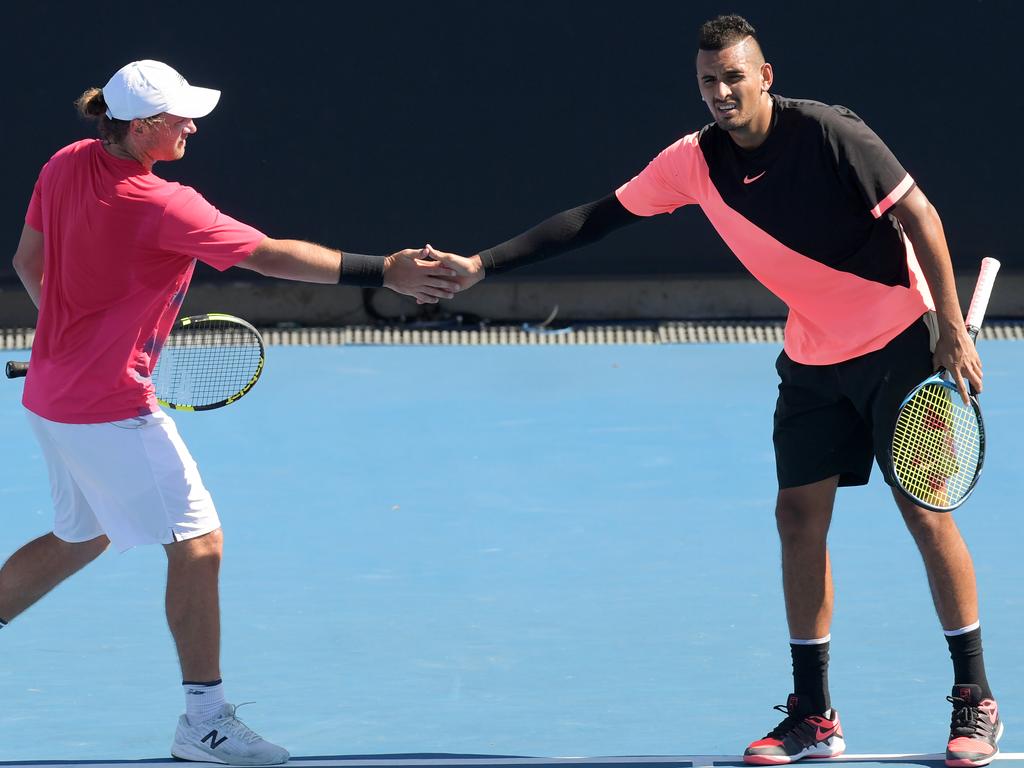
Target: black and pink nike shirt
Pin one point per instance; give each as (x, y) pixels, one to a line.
(807, 215)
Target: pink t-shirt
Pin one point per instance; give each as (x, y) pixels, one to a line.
(120, 245)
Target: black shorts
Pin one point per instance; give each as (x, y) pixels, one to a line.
(832, 419)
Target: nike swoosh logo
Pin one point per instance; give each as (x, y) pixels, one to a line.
(752, 179)
(824, 733)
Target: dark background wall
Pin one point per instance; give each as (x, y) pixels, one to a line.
(374, 126)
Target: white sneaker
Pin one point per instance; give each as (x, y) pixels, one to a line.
(224, 739)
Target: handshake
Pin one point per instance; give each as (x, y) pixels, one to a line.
(429, 275)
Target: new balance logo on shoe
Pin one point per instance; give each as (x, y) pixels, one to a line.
(224, 739)
(212, 738)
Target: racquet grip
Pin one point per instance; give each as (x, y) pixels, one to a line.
(982, 292)
(16, 370)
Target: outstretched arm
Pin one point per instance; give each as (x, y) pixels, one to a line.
(954, 350)
(408, 271)
(562, 232)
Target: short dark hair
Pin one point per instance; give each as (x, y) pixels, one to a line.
(724, 32)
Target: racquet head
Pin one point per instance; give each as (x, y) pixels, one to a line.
(208, 361)
(938, 446)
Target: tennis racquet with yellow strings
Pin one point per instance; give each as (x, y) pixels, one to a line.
(938, 445)
(207, 362)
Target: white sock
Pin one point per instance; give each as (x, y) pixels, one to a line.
(203, 700)
(813, 641)
(962, 630)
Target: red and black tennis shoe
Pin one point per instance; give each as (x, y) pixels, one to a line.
(974, 729)
(800, 735)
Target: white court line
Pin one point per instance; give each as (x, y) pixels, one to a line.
(696, 761)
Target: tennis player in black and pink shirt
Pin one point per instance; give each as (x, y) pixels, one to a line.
(820, 211)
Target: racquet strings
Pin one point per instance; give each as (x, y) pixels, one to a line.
(206, 363)
(936, 446)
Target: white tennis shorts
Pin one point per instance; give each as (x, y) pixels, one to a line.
(133, 480)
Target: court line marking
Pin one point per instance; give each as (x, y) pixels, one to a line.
(695, 761)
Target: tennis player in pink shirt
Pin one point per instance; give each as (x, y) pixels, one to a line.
(107, 253)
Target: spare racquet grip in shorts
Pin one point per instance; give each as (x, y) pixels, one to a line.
(15, 369)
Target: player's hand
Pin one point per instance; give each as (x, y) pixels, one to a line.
(411, 273)
(468, 270)
(955, 352)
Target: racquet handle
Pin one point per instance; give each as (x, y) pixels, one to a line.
(982, 293)
(16, 370)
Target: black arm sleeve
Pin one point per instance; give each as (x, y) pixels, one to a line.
(562, 232)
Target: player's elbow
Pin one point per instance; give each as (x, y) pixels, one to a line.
(28, 258)
(264, 258)
(27, 263)
(916, 211)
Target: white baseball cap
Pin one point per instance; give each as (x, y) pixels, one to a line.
(147, 88)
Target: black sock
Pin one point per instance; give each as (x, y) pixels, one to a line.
(969, 661)
(810, 677)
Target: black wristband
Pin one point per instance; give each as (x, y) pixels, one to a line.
(490, 265)
(360, 269)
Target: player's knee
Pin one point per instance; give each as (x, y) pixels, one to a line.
(210, 545)
(214, 539)
(207, 548)
(96, 547)
(925, 525)
(80, 553)
(800, 523)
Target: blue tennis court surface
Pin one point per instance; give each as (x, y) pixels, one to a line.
(438, 556)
